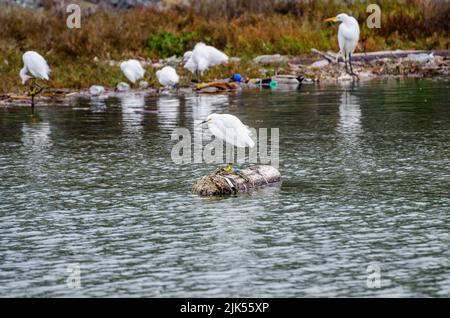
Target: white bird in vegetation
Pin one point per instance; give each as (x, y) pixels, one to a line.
(348, 36)
(187, 56)
(37, 66)
(133, 70)
(167, 76)
(230, 129)
(203, 57)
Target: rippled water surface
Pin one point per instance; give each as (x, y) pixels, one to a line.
(366, 181)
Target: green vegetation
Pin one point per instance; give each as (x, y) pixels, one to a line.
(166, 44)
(79, 57)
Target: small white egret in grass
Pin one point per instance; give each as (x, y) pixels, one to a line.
(230, 129)
(348, 36)
(37, 66)
(187, 56)
(203, 57)
(133, 70)
(167, 76)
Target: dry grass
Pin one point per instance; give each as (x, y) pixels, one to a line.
(240, 28)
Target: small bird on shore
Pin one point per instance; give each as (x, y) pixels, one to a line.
(133, 70)
(167, 76)
(230, 129)
(187, 55)
(37, 66)
(348, 36)
(203, 57)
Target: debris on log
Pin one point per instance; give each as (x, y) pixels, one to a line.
(221, 182)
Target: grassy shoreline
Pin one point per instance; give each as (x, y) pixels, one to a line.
(80, 57)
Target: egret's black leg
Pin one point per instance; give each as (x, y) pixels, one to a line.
(346, 67)
(39, 88)
(35, 89)
(197, 76)
(32, 104)
(350, 62)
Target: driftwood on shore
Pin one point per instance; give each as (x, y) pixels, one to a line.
(221, 182)
(48, 96)
(214, 87)
(370, 56)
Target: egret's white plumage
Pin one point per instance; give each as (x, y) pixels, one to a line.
(168, 76)
(133, 70)
(187, 56)
(230, 129)
(35, 64)
(203, 57)
(348, 35)
(190, 65)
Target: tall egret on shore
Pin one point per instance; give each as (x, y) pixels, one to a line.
(133, 70)
(167, 76)
(348, 36)
(35, 64)
(203, 57)
(230, 129)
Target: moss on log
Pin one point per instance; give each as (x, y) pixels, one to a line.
(221, 182)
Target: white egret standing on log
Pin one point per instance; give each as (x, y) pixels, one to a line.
(133, 70)
(203, 57)
(230, 129)
(167, 76)
(348, 36)
(35, 64)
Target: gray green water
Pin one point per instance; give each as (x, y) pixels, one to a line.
(366, 180)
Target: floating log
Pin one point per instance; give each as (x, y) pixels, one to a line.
(221, 182)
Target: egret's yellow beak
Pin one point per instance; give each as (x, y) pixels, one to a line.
(333, 19)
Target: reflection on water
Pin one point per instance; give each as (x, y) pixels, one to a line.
(204, 105)
(365, 181)
(97, 104)
(168, 112)
(349, 115)
(36, 137)
(132, 112)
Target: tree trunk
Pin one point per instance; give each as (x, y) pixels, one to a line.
(221, 182)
